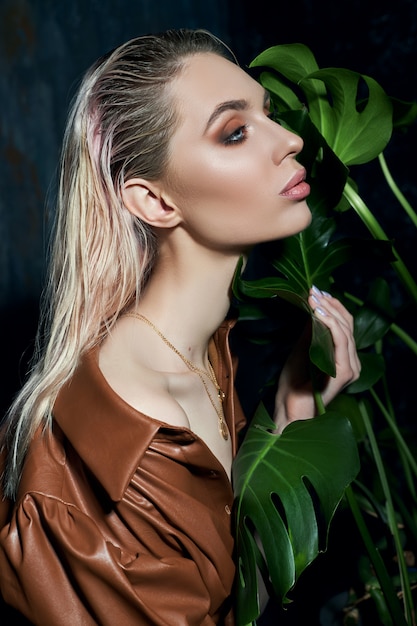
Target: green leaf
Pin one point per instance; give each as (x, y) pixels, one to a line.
(311, 256)
(356, 129)
(327, 174)
(404, 113)
(284, 97)
(348, 405)
(350, 110)
(294, 61)
(370, 326)
(287, 488)
(373, 368)
(321, 348)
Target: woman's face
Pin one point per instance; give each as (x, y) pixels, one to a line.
(232, 172)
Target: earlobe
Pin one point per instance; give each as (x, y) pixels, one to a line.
(145, 200)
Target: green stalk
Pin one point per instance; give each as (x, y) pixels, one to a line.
(396, 191)
(392, 522)
(305, 260)
(408, 464)
(377, 561)
(407, 515)
(398, 436)
(405, 337)
(321, 409)
(378, 233)
(402, 447)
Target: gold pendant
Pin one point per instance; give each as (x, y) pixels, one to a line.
(224, 430)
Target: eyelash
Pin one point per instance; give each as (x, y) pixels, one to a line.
(242, 130)
(230, 139)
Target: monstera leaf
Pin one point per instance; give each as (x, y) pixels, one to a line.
(300, 263)
(357, 129)
(287, 488)
(350, 110)
(308, 258)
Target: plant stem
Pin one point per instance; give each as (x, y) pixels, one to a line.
(405, 337)
(396, 191)
(305, 261)
(399, 438)
(403, 449)
(377, 561)
(321, 409)
(392, 522)
(378, 233)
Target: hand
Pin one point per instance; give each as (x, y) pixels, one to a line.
(294, 399)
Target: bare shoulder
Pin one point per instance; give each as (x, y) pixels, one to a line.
(125, 360)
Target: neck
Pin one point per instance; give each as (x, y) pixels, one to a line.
(188, 297)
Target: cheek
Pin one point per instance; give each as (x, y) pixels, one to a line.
(203, 183)
(235, 190)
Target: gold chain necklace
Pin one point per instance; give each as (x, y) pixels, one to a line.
(197, 370)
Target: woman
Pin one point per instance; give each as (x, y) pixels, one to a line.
(119, 447)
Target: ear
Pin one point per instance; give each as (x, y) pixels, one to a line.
(146, 200)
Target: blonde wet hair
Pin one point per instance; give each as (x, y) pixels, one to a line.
(119, 127)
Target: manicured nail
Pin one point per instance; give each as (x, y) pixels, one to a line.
(316, 290)
(320, 311)
(315, 299)
(326, 294)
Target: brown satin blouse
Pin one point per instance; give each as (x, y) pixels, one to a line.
(121, 519)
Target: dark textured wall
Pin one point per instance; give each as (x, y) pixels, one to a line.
(45, 45)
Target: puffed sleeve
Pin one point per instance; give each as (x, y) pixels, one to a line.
(58, 569)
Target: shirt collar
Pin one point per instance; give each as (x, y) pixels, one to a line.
(111, 436)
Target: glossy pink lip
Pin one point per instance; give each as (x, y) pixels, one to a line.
(296, 187)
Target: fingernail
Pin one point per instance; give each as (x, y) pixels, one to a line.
(320, 311)
(326, 294)
(315, 299)
(316, 290)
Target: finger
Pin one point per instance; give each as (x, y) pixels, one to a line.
(341, 327)
(334, 305)
(327, 303)
(346, 357)
(347, 366)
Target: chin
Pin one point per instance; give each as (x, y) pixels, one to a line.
(303, 220)
(309, 216)
(305, 215)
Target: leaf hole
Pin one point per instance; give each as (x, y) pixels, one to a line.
(319, 513)
(277, 502)
(362, 94)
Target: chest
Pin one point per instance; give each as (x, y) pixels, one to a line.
(202, 405)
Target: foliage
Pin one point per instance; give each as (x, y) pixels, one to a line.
(281, 490)
(346, 120)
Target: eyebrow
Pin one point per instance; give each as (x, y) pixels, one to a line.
(232, 105)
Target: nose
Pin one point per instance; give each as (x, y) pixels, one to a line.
(286, 143)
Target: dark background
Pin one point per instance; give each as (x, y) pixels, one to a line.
(46, 45)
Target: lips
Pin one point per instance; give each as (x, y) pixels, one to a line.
(297, 187)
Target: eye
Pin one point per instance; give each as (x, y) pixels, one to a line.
(237, 136)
